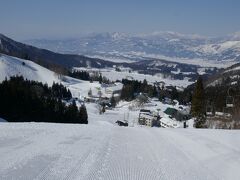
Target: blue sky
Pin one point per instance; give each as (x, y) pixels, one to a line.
(26, 19)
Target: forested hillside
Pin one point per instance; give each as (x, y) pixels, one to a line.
(24, 101)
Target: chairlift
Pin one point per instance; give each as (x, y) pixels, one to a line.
(209, 110)
(229, 101)
(227, 112)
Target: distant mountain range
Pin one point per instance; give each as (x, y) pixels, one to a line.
(160, 45)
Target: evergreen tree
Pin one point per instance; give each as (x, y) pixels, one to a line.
(100, 78)
(72, 113)
(198, 103)
(90, 92)
(144, 87)
(23, 101)
(113, 101)
(174, 94)
(83, 75)
(155, 92)
(127, 92)
(83, 114)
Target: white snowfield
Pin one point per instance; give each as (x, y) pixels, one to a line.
(12, 66)
(104, 151)
(113, 75)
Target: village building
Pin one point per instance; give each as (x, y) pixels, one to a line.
(177, 115)
(148, 118)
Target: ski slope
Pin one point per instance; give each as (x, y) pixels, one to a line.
(105, 151)
(12, 66)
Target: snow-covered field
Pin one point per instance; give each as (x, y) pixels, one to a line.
(103, 151)
(195, 61)
(113, 75)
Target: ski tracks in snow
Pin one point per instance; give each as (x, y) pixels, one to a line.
(42, 151)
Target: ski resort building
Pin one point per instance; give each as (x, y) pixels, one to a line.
(148, 118)
(176, 114)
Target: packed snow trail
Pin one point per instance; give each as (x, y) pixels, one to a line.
(103, 151)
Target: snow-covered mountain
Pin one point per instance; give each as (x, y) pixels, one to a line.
(121, 46)
(12, 66)
(227, 77)
(46, 57)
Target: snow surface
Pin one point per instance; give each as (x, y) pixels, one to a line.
(113, 75)
(104, 151)
(194, 61)
(202, 62)
(233, 69)
(218, 48)
(2, 120)
(12, 66)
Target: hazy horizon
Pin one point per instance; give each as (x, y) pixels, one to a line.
(22, 20)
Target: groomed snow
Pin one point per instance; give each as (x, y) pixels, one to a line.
(105, 151)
